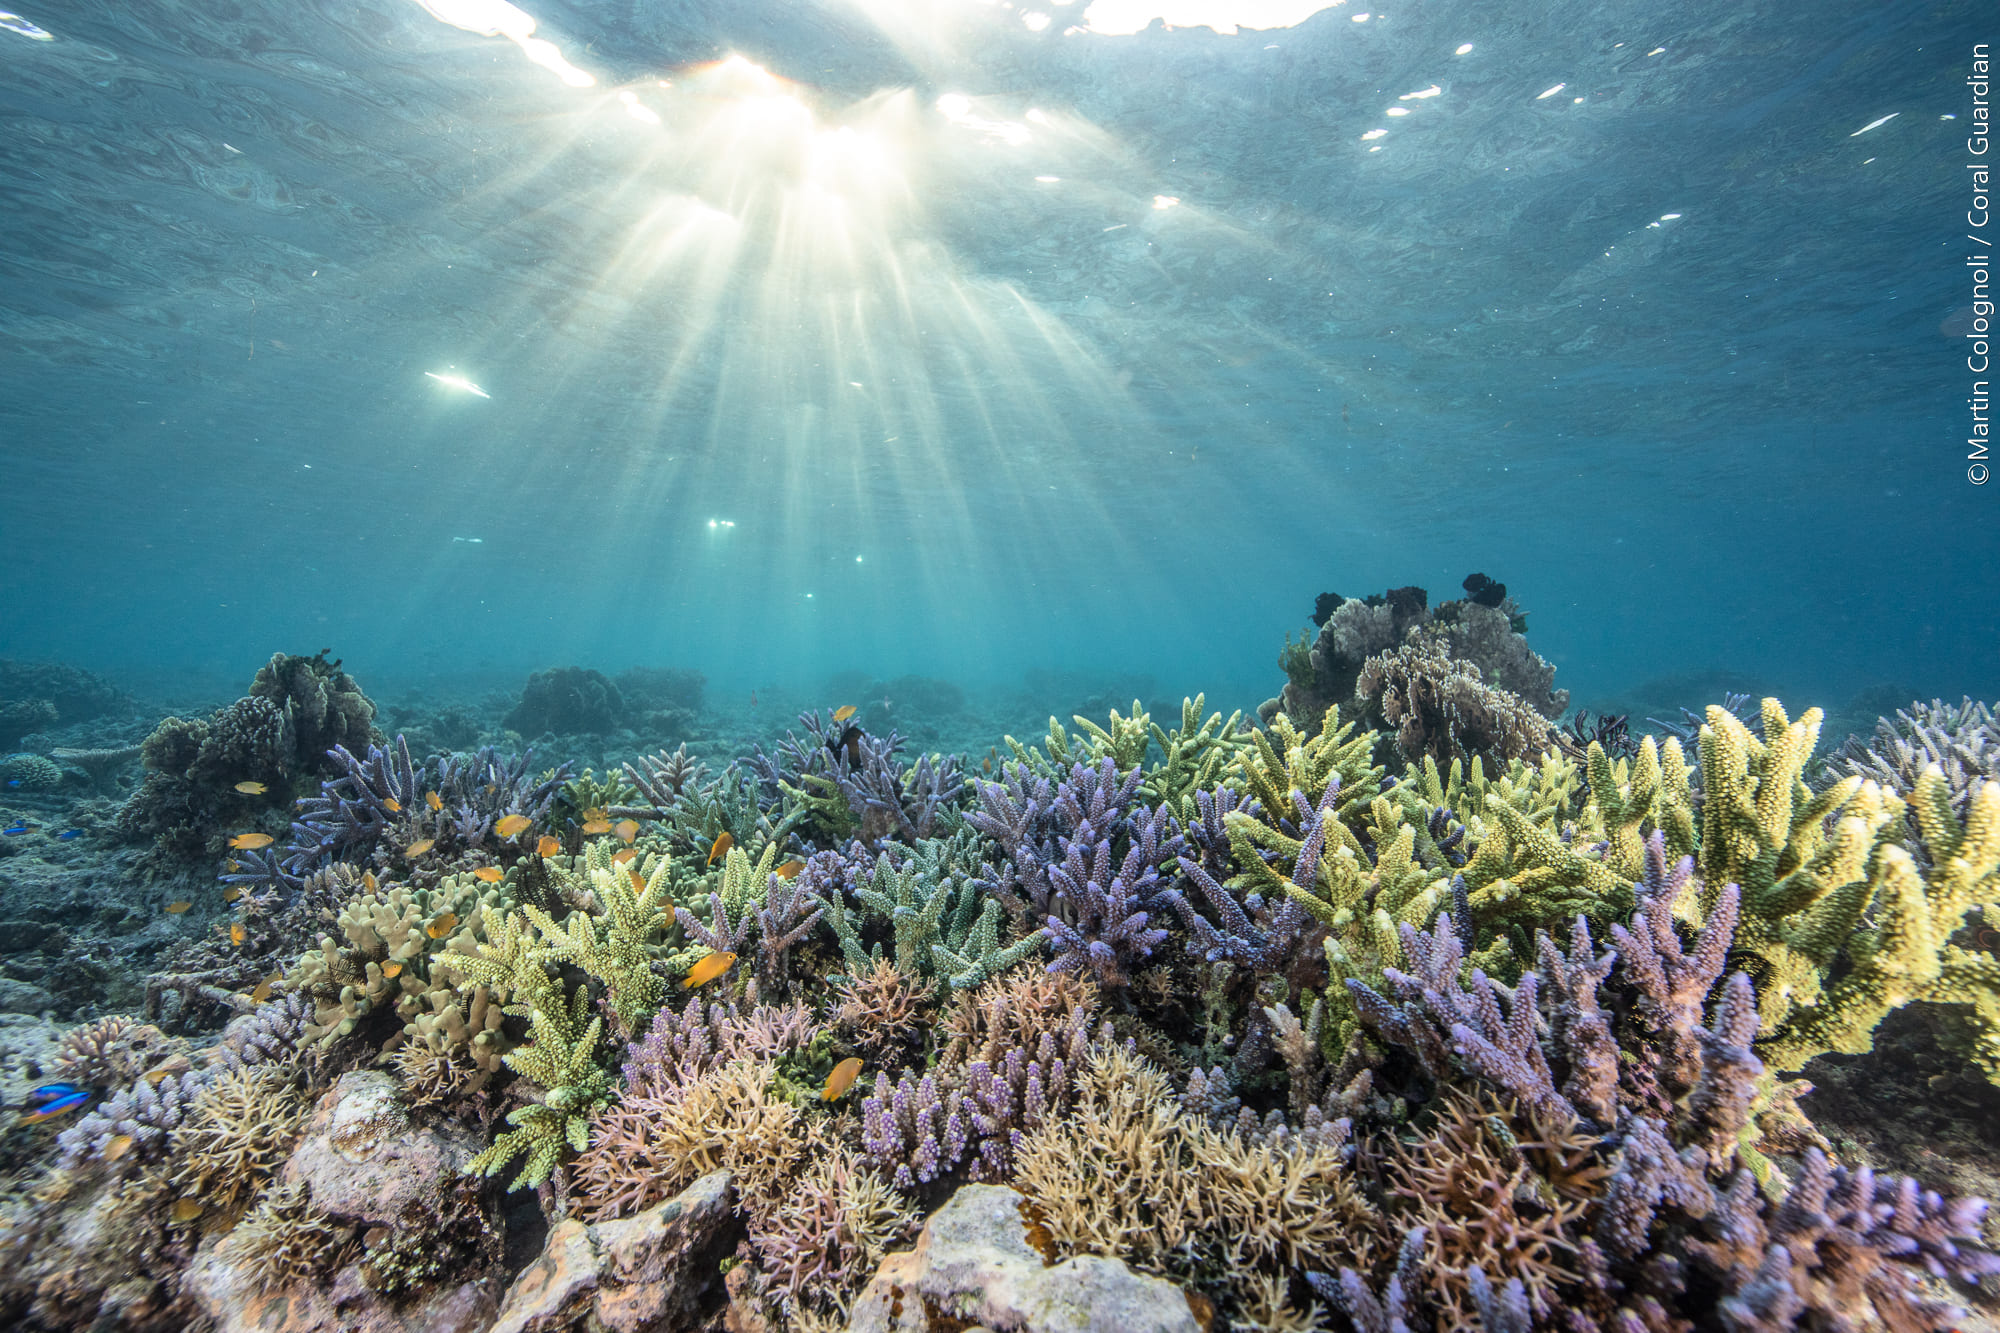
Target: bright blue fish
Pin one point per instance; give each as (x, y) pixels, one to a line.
(71, 835)
(14, 828)
(53, 1099)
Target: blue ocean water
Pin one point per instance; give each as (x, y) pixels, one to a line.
(779, 339)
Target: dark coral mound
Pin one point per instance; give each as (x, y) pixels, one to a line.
(280, 735)
(568, 701)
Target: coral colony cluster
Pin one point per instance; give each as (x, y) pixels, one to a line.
(1402, 1010)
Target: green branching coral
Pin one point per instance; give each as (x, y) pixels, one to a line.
(1801, 858)
(1197, 756)
(559, 1058)
(632, 918)
(1907, 954)
(1281, 762)
(942, 927)
(1125, 740)
(1630, 798)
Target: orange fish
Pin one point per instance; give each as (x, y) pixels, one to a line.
(721, 848)
(120, 1145)
(598, 812)
(250, 842)
(252, 788)
(621, 858)
(708, 969)
(638, 881)
(626, 829)
(232, 893)
(419, 847)
(187, 1209)
(236, 933)
(368, 880)
(548, 846)
(841, 1079)
(433, 800)
(597, 826)
(790, 869)
(441, 925)
(988, 764)
(491, 874)
(175, 909)
(511, 825)
(842, 713)
(263, 991)
(392, 970)
(392, 805)
(158, 1076)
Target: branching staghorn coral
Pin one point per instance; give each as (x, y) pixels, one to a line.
(1906, 953)
(658, 1140)
(286, 1239)
(942, 929)
(560, 1060)
(235, 1136)
(633, 902)
(1441, 708)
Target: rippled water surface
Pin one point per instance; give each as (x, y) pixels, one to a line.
(775, 338)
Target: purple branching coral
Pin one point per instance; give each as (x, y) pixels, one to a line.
(790, 910)
(149, 1109)
(1011, 1064)
(1673, 982)
(1250, 934)
(1082, 861)
(379, 800)
(679, 1047)
(1433, 1016)
(1099, 915)
(855, 776)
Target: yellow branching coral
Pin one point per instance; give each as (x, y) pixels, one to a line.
(560, 1058)
(622, 957)
(1907, 954)
(1801, 858)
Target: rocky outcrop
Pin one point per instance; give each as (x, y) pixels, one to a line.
(657, 1272)
(975, 1264)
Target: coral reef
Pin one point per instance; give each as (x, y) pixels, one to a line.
(565, 701)
(1302, 1026)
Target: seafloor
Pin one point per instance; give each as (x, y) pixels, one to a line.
(1410, 999)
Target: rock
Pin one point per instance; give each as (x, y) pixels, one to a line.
(22, 997)
(19, 936)
(228, 1295)
(366, 1162)
(973, 1264)
(658, 1272)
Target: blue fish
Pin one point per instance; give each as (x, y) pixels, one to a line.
(71, 835)
(53, 1099)
(13, 782)
(16, 827)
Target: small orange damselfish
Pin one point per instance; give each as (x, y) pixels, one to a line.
(790, 869)
(708, 969)
(250, 842)
(491, 874)
(392, 805)
(433, 800)
(512, 824)
(548, 845)
(723, 843)
(842, 713)
(419, 847)
(626, 829)
(841, 1079)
